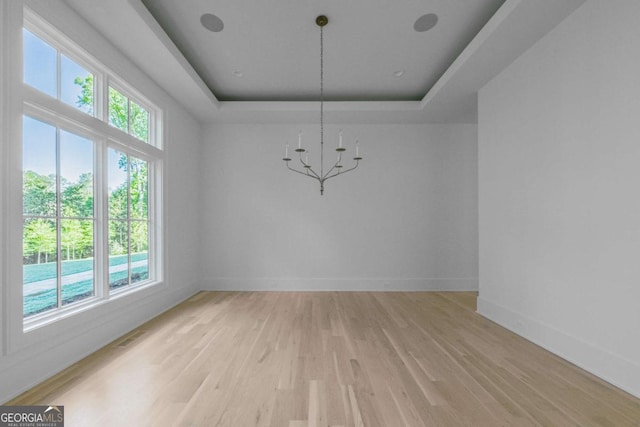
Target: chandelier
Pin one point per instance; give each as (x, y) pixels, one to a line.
(307, 170)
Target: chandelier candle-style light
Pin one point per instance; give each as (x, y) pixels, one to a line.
(337, 168)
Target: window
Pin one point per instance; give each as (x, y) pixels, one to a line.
(58, 234)
(90, 227)
(128, 219)
(57, 75)
(128, 116)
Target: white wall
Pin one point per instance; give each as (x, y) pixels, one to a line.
(559, 186)
(3, 166)
(406, 219)
(54, 347)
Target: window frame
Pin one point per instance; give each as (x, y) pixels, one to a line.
(153, 174)
(64, 46)
(96, 127)
(64, 124)
(133, 96)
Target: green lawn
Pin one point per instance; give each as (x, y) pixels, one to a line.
(36, 272)
(47, 299)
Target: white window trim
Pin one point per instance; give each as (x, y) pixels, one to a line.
(12, 176)
(21, 99)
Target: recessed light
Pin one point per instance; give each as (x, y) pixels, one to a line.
(211, 22)
(398, 73)
(425, 22)
(238, 74)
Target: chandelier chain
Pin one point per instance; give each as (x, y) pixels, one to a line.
(321, 101)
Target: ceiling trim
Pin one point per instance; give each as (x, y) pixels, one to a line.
(490, 27)
(308, 112)
(153, 25)
(513, 29)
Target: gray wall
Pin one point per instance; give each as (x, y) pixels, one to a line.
(559, 176)
(405, 219)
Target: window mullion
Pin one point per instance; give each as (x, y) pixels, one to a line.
(100, 222)
(152, 218)
(98, 98)
(58, 222)
(128, 219)
(105, 99)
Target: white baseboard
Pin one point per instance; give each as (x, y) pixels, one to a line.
(610, 367)
(28, 370)
(320, 284)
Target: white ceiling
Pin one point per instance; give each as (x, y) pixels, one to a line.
(275, 45)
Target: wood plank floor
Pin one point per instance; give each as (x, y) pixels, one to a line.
(287, 359)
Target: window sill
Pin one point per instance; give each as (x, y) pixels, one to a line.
(45, 319)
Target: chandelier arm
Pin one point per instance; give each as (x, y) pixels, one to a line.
(341, 172)
(309, 169)
(332, 168)
(314, 176)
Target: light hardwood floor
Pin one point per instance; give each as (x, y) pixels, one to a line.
(329, 359)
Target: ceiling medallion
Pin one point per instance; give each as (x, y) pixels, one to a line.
(336, 169)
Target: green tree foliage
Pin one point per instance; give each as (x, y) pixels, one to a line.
(77, 197)
(139, 122)
(139, 188)
(40, 194)
(71, 237)
(118, 110)
(39, 240)
(124, 114)
(39, 198)
(40, 234)
(85, 99)
(139, 236)
(118, 241)
(129, 200)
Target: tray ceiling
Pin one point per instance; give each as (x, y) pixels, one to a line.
(269, 50)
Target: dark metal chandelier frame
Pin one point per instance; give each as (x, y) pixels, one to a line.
(337, 168)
